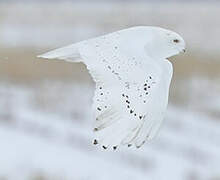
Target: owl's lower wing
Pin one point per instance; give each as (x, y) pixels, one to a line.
(123, 98)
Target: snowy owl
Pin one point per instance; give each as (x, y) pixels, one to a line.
(132, 76)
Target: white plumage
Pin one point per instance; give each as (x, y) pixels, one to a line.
(132, 76)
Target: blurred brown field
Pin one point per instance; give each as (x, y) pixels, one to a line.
(23, 65)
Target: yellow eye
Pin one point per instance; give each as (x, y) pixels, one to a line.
(176, 41)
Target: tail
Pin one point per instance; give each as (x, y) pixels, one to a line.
(67, 53)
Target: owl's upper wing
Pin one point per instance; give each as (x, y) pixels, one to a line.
(124, 95)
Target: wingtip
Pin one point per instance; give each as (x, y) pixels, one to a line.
(45, 56)
(40, 56)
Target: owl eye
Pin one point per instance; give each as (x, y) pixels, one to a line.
(176, 40)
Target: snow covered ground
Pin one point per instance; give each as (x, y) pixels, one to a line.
(46, 132)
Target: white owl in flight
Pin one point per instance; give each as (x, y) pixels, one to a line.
(132, 76)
